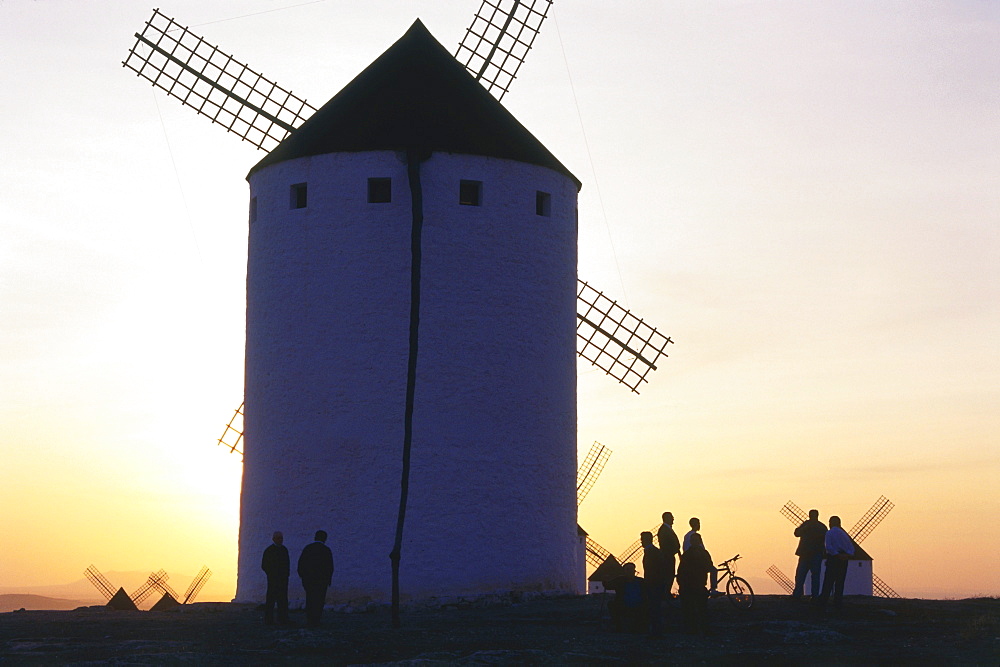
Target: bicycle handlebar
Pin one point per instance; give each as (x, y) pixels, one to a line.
(731, 560)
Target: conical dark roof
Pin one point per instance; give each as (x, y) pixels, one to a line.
(415, 96)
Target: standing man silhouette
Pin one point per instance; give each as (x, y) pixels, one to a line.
(654, 573)
(315, 568)
(839, 549)
(276, 567)
(670, 547)
(812, 535)
(713, 574)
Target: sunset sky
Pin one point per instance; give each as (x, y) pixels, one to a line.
(804, 195)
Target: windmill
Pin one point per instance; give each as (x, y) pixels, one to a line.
(171, 598)
(120, 599)
(332, 344)
(861, 580)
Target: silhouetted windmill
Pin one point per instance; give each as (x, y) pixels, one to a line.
(479, 138)
(258, 110)
(154, 583)
(116, 599)
(171, 597)
(861, 580)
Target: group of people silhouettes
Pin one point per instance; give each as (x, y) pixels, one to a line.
(638, 602)
(315, 569)
(816, 544)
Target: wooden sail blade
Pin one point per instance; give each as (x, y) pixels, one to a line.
(196, 585)
(881, 588)
(232, 435)
(149, 587)
(495, 45)
(596, 554)
(794, 513)
(100, 582)
(872, 518)
(781, 579)
(634, 550)
(590, 470)
(616, 341)
(215, 84)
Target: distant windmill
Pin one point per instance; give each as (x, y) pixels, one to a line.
(116, 599)
(346, 281)
(861, 580)
(172, 599)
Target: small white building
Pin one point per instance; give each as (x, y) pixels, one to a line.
(492, 485)
(859, 574)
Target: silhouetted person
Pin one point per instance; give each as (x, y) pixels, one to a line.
(812, 536)
(670, 547)
(628, 607)
(276, 567)
(692, 575)
(316, 570)
(839, 549)
(713, 574)
(654, 571)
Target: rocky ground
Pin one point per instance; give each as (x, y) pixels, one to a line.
(776, 631)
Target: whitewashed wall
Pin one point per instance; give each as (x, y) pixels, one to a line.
(492, 490)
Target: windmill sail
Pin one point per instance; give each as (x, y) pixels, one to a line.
(634, 550)
(196, 585)
(596, 554)
(793, 513)
(152, 585)
(100, 582)
(498, 41)
(781, 579)
(590, 470)
(872, 518)
(616, 341)
(882, 589)
(215, 84)
(232, 435)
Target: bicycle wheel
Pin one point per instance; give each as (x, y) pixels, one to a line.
(739, 593)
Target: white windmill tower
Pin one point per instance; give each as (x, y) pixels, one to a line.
(411, 288)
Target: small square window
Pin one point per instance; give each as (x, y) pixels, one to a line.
(298, 195)
(253, 210)
(543, 203)
(470, 193)
(379, 190)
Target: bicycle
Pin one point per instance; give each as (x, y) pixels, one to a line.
(737, 589)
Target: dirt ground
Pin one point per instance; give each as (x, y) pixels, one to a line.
(574, 630)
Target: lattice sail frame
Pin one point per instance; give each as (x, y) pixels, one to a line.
(215, 84)
(153, 583)
(634, 550)
(590, 470)
(613, 339)
(871, 519)
(793, 513)
(596, 554)
(495, 45)
(234, 432)
(781, 579)
(100, 582)
(196, 585)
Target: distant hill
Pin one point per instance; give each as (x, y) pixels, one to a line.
(15, 601)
